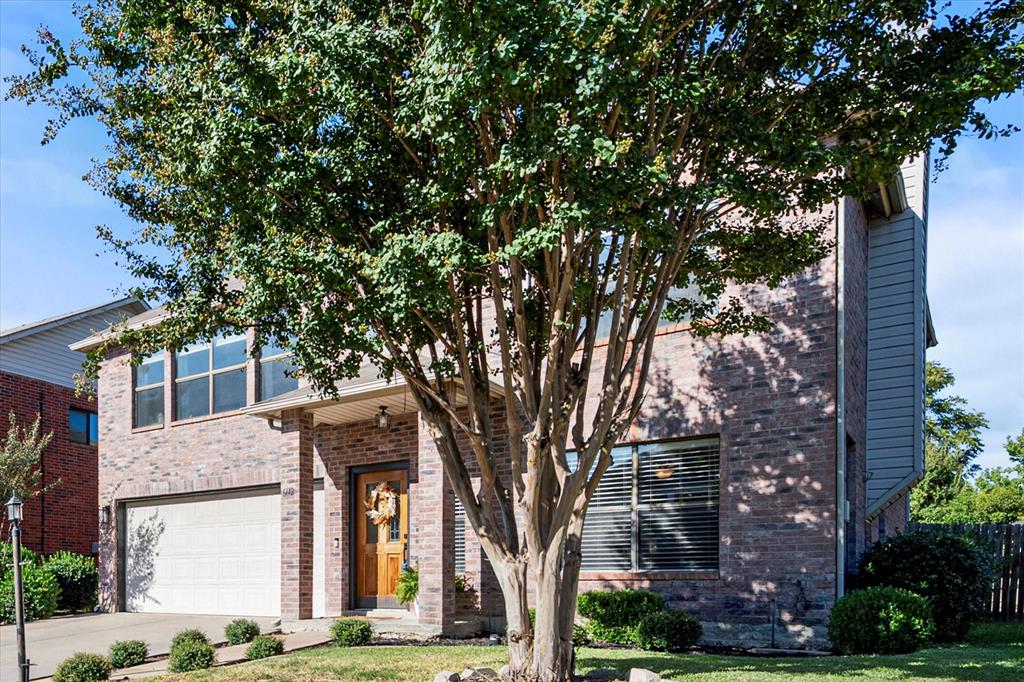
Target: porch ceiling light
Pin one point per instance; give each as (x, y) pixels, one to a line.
(14, 509)
(664, 472)
(383, 418)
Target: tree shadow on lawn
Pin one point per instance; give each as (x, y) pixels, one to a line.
(960, 662)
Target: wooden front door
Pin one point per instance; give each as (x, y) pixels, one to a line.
(380, 549)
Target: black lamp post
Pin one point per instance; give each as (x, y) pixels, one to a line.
(14, 514)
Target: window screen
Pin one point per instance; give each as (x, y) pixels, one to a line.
(210, 377)
(460, 537)
(149, 391)
(83, 427)
(655, 509)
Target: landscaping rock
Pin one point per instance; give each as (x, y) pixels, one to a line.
(604, 675)
(480, 675)
(447, 676)
(641, 675)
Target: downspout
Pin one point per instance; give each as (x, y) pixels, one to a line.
(841, 505)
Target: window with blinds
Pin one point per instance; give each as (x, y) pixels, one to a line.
(656, 509)
(460, 537)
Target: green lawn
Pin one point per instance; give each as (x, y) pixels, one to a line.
(994, 652)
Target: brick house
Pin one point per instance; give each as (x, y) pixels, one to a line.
(37, 379)
(757, 472)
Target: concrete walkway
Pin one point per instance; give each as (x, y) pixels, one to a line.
(51, 641)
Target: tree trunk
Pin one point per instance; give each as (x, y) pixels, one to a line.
(542, 651)
(552, 645)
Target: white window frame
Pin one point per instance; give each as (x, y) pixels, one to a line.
(209, 374)
(136, 389)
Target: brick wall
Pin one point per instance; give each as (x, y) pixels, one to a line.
(227, 450)
(361, 444)
(66, 516)
(771, 400)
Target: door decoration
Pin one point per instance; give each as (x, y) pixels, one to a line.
(382, 504)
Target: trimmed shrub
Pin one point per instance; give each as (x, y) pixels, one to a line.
(671, 630)
(79, 580)
(241, 630)
(28, 558)
(83, 668)
(953, 572)
(352, 632)
(408, 586)
(128, 652)
(880, 620)
(191, 655)
(264, 646)
(41, 593)
(615, 614)
(189, 635)
(580, 636)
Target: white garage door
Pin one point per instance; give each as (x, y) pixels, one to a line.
(210, 554)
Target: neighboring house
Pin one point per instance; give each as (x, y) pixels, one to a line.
(759, 469)
(37, 378)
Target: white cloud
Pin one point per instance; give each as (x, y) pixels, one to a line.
(976, 288)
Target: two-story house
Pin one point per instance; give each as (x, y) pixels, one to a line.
(37, 380)
(757, 472)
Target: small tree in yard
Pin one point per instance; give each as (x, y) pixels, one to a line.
(470, 194)
(19, 463)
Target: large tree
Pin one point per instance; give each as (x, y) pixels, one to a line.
(467, 189)
(952, 443)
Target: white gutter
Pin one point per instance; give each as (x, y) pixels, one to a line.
(842, 510)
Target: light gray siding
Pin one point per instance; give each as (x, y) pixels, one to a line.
(44, 354)
(896, 344)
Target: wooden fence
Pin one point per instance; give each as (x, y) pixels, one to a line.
(1007, 543)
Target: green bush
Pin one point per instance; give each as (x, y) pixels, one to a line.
(352, 632)
(128, 652)
(615, 614)
(83, 668)
(264, 646)
(79, 580)
(953, 572)
(41, 593)
(241, 630)
(189, 635)
(580, 636)
(28, 558)
(408, 586)
(191, 655)
(880, 620)
(671, 630)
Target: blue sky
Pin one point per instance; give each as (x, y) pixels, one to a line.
(51, 261)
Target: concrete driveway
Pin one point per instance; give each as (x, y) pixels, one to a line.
(51, 641)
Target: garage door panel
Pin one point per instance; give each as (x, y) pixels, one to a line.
(212, 555)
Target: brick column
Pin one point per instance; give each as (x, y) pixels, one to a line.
(490, 602)
(297, 516)
(432, 541)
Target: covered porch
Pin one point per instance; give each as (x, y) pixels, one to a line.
(343, 444)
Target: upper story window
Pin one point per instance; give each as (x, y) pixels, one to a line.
(149, 391)
(655, 509)
(83, 427)
(210, 377)
(277, 371)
